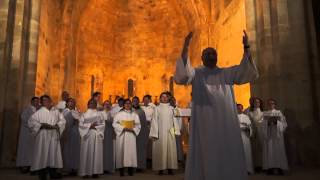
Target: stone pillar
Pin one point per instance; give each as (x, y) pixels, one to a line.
(289, 70)
(4, 9)
(30, 51)
(19, 57)
(6, 64)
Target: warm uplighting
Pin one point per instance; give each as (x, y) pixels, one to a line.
(139, 41)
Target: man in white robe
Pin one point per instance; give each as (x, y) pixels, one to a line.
(143, 137)
(127, 126)
(164, 128)
(26, 140)
(109, 140)
(180, 153)
(246, 132)
(97, 96)
(274, 153)
(62, 104)
(91, 129)
(71, 138)
(47, 125)
(148, 108)
(255, 113)
(117, 107)
(215, 146)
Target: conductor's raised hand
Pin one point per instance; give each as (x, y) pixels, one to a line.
(188, 38)
(245, 39)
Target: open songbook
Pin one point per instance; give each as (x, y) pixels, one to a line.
(272, 118)
(183, 112)
(127, 124)
(92, 120)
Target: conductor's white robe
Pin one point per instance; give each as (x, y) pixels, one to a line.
(126, 146)
(164, 127)
(91, 151)
(47, 149)
(26, 140)
(215, 147)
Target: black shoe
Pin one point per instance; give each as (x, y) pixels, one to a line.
(130, 171)
(160, 173)
(42, 174)
(280, 172)
(95, 176)
(24, 170)
(33, 173)
(258, 169)
(86, 177)
(170, 172)
(56, 176)
(121, 171)
(269, 171)
(73, 173)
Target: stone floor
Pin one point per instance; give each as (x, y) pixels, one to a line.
(296, 174)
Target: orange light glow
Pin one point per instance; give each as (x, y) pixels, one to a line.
(118, 41)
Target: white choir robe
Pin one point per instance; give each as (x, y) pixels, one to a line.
(91, 151)
(180, 154)
(164, 127)
(126, 146)
(245, 124)
(47, 149)
(256, 117)
(148, 110)
(215, 146)
(274, 153)
(108, 144)
(115, 109)
(61, 105)
(71, 140)
(26, 140)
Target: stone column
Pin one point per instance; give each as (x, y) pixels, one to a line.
(289, 69)
(30, 50)
(4, 10)
(10, 8)
(20, 66)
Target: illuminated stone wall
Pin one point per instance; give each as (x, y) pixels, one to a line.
(114, 41)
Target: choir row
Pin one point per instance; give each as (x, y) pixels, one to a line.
(102, 139)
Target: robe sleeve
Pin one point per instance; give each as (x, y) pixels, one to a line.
(101, 127)
(26, 114)
(249, 125)
(282, 124)
(176, 126)
(137, 125)
(118, 129)
(264, 128)
(34, 124)
(184, 73)
(61, 123)
(154, 130)
(83, 127)
(243, 73)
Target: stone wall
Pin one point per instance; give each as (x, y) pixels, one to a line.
(114, 41)
(17, 69)
(103, 44)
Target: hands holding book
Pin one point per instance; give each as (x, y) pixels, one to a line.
(48, 126)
